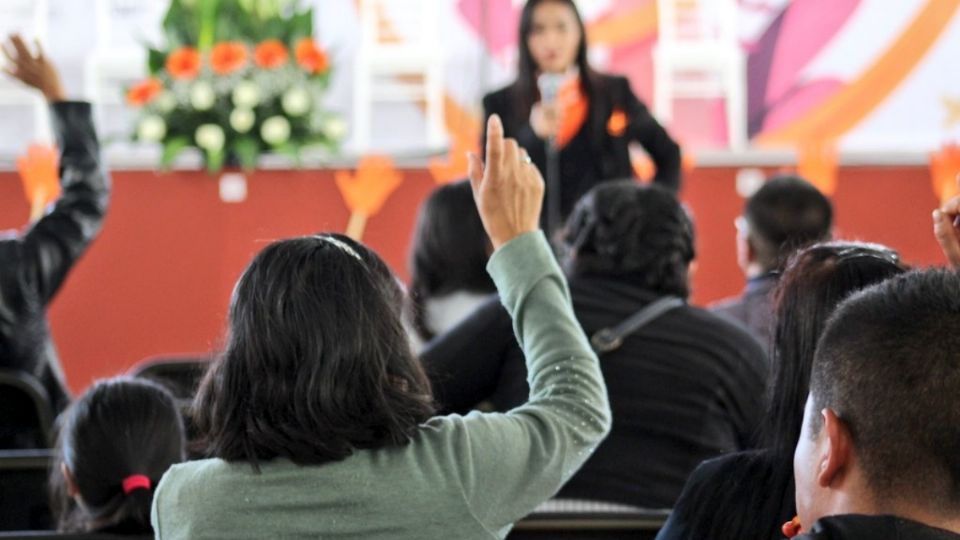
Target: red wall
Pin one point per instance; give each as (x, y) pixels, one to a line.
(159, 277)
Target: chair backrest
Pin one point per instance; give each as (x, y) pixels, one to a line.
(23, 489)
(178, 374)
(591, 524)
(26, 415)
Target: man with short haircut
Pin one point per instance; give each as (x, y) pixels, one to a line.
(879, 454)
(785, 214)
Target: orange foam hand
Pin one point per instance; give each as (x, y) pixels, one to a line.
(366, 192)
(945, 171)
(38, 170)
(573, 111)
(817, 161)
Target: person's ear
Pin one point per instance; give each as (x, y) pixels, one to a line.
(837, 453)
(72, 491)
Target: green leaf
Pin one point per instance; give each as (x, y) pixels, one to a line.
(301, 26)
(171, 149)
(291, 150)
(155, 60)
(208, 24)
(215, 161)
(247, 151)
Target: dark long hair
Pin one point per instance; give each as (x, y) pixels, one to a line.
(449, 252)
(118, 428)
(526, 92)
(317, 363)
(816, 279)
(626, 230)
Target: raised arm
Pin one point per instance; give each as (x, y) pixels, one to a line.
(519, 459)
(946, 231)
(51, 246)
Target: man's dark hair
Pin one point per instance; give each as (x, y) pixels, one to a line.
(449, 252)
(888, 365)
(627, 230)
(784, 215)
(317, 362)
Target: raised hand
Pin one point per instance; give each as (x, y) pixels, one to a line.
(507, 187)
(34, 70)
(945, 228)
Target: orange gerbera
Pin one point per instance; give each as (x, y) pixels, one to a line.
(144, 92)
(310, 57)
(227, 57)
(184, 63)
(270, 54)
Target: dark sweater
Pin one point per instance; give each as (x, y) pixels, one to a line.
(685, 388)
(857, 527)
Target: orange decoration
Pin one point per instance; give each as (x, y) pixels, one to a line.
(367, 191)
(310, 57)
(39, 173)
(945, 171)
(817, 162)
(270, 54)
(184, 63)
(792, 528)
(144, 92)
(227, 57)
(573, 106)
(617, 125)
(463, 128)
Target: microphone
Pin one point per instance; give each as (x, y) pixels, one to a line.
(549, 85)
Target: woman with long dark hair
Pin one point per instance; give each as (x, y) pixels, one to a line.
(591, 140)
(448, 260)
(317, 417)
(750, 495)
(115, 443)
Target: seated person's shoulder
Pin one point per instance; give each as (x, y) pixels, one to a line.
(855, 527)
(726, 333)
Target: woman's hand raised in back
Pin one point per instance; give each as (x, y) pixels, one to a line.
(945, 228)
(507, 187)
(34, 70)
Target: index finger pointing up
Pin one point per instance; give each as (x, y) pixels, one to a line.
(494, 159)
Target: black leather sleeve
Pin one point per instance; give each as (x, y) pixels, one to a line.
(51, 246)
(644, 129)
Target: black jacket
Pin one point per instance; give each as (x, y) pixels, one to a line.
(35, 263)
(857, 527)
(685, 388)
(594, 154)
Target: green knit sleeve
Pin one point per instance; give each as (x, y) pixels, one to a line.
(510, 463)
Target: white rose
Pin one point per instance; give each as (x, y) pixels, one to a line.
(165, 102)
(152, 128)
(296, 101)
(335, 128)
(246, 95)
(275, 130)
(202, 96)
(210, 137)
(242, 120)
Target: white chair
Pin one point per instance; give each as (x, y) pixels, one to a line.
(390, 69)
(29, 18)
(700, 37)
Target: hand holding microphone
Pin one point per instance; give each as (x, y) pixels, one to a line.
(546, 115)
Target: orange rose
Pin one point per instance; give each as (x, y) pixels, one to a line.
(144, 92)
(617, 124)
(227, 57)
(184, 63)
(270, 54)
(310, 57)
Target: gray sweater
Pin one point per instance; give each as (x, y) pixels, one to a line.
(467, 476)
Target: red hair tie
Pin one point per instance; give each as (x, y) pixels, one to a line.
(135, 482)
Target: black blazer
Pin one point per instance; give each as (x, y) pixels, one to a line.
(594, 154)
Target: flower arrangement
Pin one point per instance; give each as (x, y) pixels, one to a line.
(239, 78)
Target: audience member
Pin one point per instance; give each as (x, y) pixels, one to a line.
(945, 223)
(317, 417)
(116, 442)
(35, 263)
(749, 495)
(879, 455)
(685, 387)
(782, 216)
(448, 259)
